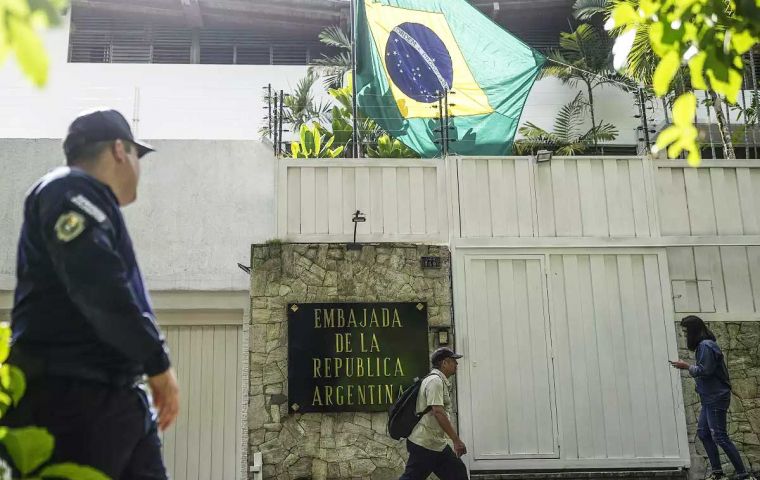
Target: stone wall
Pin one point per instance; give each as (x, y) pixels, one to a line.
(741, 344)
(335, 445)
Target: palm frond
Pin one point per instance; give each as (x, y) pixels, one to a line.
(604, 132)
(572, 149)
(570, 116)
(642, 60)
(585, 9)
(573, 42)
(302, 107)
(564, 139)
(332, 68)
(534, 138)
(335, 37)
(557, 66)
(584, 54)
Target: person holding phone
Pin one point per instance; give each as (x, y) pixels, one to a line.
(714, 389)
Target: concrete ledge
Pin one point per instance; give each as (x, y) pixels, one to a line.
(674, 474)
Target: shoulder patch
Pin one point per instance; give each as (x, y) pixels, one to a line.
(69, 226)
(88, 207)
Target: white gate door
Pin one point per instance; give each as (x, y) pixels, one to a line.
(205, 441)
(510, 401)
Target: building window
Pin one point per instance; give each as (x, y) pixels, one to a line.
(96, 38)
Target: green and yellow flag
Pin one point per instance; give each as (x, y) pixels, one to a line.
(411, 51)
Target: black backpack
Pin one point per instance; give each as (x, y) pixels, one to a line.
(403, 416)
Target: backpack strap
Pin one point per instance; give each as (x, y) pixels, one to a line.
(429, 407)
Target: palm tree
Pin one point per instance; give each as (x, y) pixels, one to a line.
(584, 57)
(301, 106)
(642, 62)
(566, 138)
(333, 67)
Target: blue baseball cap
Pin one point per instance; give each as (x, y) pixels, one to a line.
(100, 126)
(442, 354)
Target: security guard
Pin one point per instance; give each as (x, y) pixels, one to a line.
(83, 328)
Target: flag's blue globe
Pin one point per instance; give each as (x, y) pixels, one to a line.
(418, 62)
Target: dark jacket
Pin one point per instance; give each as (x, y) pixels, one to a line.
(710, 372)
(80, 307)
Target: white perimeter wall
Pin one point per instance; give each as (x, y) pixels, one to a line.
(201, 204)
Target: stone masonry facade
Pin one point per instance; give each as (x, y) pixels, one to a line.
(331, 445)
(740, 343)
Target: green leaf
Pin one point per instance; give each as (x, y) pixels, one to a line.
(696, 67)
(5, 341)
(28, 447)
(743, 41)
(295, 149)
(30, 51)
(72, 471)
(624, 14)
(684, 109)
(18, 8)
(724, 80)
(5, 377)
(649, 7)
(668, 136)
(317, 142)
(18, 384)
(682, 135)
(665, 72)
(307, 140)
(335, 152)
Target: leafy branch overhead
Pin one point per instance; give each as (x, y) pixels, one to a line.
(20, 22)
(709, 36)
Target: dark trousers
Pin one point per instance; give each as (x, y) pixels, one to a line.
(105, 427)
(711, 429)
(422, 462)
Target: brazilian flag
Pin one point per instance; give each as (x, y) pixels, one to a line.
(410, 51)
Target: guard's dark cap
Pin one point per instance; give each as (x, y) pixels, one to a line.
(100, 126)
(442, 354)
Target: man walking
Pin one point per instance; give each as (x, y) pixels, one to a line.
(429, 451)
(83, 328)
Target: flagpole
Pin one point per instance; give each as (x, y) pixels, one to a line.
(355, 111)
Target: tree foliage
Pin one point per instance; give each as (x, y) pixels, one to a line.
(709, 36)
(567, 137)
(584, 58)
(20, 23)
(333, 68)
(389, 147)
(315, 142)
(30, 448)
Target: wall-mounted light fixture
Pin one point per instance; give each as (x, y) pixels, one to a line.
(543, 156)
(358, 218)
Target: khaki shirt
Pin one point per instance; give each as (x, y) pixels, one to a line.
(435, 390)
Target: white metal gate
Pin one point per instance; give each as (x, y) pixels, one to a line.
(509, 369)
(587, 330)
(205, 442)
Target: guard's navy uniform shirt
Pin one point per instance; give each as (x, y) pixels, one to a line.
(80, 308)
